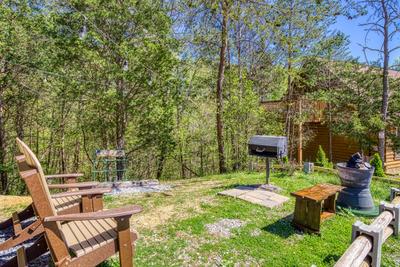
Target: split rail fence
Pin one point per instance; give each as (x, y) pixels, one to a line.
(366, 248)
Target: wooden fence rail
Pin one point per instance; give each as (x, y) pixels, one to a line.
(356, 253)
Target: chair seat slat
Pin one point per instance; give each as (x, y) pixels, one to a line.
(90, 238)
(96, 235)
(85, 236)
(85, 246)
(100, 229)
(71, 239)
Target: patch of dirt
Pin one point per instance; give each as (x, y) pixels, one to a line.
(196, 187)
(11, 203)
(190, 256)
(223, 227)
(187, 198)
(256, 232)
(155, 216)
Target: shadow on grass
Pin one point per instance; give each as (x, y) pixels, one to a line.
(282, 227)
(238, 186)
(283, 175)
(331, 259)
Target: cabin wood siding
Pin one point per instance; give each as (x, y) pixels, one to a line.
(342, 148)
(392, 163)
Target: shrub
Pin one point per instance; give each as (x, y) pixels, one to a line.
(321, 159)
(376, 161)
(287, 167)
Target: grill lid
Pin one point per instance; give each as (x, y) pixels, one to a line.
(268, 146)
(268, 140)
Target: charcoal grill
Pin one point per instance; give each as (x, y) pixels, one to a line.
(268, 147)
(356, 194)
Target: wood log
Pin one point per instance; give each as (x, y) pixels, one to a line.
(386, 234)
(356, 253)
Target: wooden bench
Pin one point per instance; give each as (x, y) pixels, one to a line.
(314, 205)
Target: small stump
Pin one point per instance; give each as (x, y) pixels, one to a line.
(314, 205)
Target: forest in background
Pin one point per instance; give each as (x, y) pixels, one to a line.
(177, 84)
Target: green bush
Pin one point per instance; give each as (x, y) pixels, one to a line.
(376, 161)
(321, 159)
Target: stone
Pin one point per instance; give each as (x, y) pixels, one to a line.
(256, 196)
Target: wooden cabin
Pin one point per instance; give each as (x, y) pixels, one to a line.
(342, 146)
(315, 131)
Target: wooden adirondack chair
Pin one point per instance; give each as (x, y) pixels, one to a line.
(86, 199)
(82, 239)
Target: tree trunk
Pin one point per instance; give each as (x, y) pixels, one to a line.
(300, 133)
(76, 155)
(288, 119)
(220, 82)
(160, 165)
(19, 120)
(201, 159)
(239, 49)
(330, 133)
(120, 127)
(385, 93)
(62, 137)
(3, 147)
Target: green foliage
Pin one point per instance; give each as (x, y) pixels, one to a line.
(376, 161)
(354, 95)
(141, 76)
(321, 159)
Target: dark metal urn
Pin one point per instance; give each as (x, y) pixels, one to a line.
(356, 194)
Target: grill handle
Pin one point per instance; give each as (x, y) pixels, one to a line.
(260, 150)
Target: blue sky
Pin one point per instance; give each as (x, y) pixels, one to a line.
(356, 35)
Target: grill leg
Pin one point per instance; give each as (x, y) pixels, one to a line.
(267, 169)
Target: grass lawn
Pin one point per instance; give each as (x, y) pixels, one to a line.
(172, 226)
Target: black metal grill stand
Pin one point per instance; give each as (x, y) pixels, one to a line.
(267, 169)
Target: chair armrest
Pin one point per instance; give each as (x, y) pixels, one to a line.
(74, 185)
(93, 191)
(64, 175)
(126, 211)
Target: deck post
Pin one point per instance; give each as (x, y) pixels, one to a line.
(300, 145)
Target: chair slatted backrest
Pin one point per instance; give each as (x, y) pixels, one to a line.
(34, 163)
(44, 205)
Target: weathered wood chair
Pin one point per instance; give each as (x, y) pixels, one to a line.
(87, 199)
(82, 239)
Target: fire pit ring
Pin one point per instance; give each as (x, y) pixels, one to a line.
(135, 187)
(356, 194)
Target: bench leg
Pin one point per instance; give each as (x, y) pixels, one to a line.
(330, 204)
(25, 234)
(124, 242)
